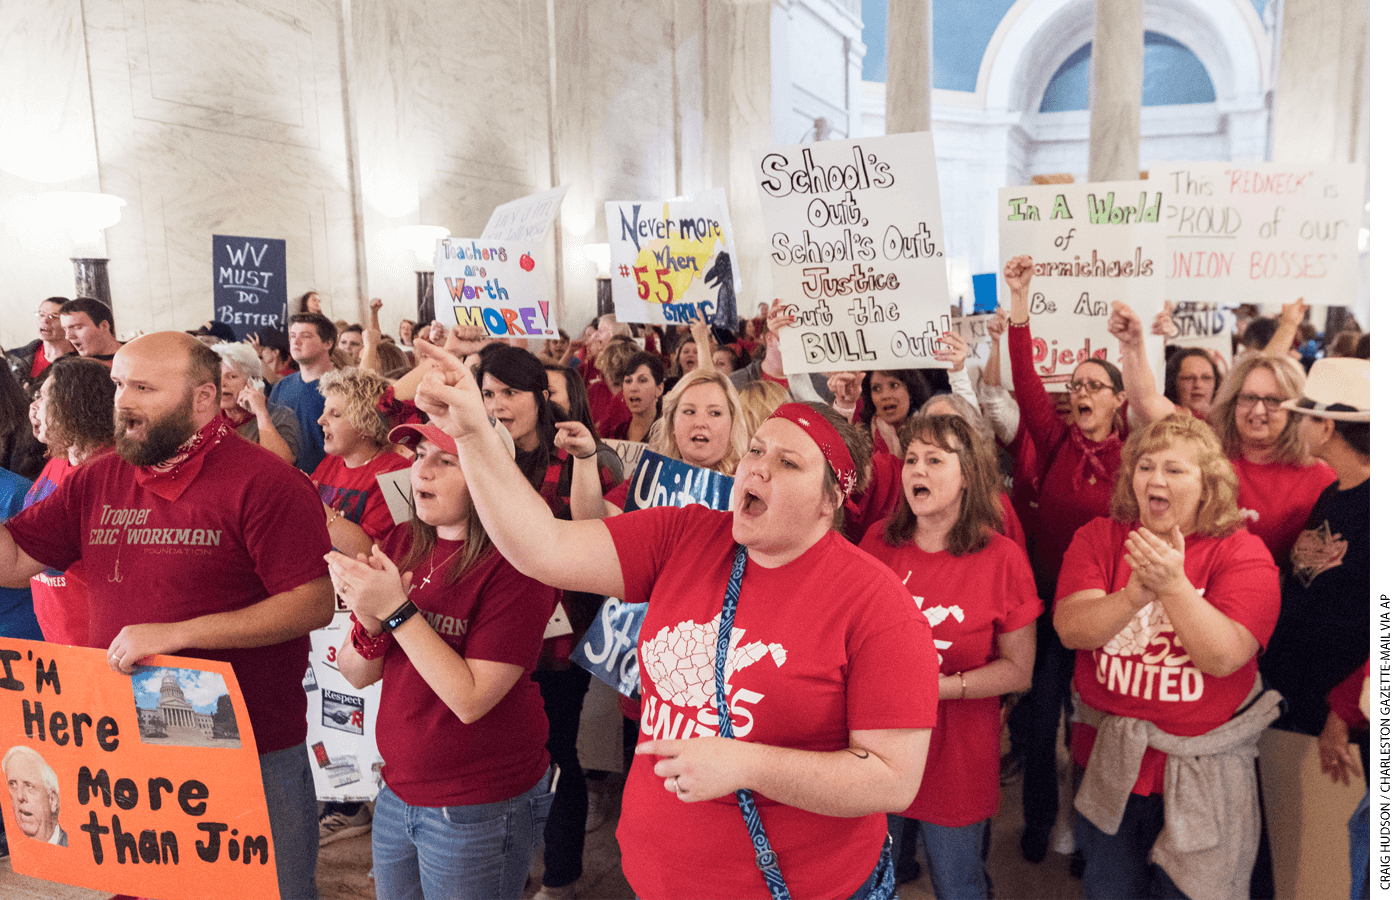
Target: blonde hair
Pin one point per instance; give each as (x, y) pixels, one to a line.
(1219, 513)
(361, 390)
(1290, 377)
(614, 356)
(758, 399)
(664, 432)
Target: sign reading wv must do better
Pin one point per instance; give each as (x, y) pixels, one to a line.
(145, 784)
(855, 236)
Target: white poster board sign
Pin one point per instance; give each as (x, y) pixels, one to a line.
(496, 285)
(1092, 244)
(345, 761)
(717, 197)
(1204, 325)
(670, 260)
(1261, 233)
(527, 219)
(855, 232)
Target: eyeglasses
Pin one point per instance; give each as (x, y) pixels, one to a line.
(46, 317)
(1247, 401)
(1087, 387)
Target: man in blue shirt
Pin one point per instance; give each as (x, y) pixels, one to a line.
(312, 336)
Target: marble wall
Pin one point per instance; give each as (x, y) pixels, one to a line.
(330, 123)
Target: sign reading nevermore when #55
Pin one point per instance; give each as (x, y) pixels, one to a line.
(855, 236)
(1091, 244)
(671, 260)
(1261, 233)
(145, 784)
(492, 284)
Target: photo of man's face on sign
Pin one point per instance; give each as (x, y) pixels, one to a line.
(34, 793)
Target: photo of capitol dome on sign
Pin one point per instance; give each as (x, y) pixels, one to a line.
(184, 707)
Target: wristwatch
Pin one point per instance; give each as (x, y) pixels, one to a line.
(400, 615)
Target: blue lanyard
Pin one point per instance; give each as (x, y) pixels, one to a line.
(767, 859)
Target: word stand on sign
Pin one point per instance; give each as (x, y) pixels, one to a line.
(1092, 245)
(856, 244)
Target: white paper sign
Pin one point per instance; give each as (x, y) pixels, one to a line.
(1204, 325)
(1091, 244)
(558, 624)
(496, 285)
(1261, 233)
(855, 235)
(340, 718)
(670, 260)
(527, 219)
(630, 452)
(397, 488)
(717, 197)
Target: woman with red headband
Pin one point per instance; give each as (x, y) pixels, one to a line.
(815, 644)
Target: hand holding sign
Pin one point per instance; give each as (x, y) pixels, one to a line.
(137, 642)
(954, 350)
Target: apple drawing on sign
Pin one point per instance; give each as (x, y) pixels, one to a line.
(527, 262)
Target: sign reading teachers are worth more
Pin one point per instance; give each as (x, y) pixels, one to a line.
(492, 284)
(1092, 244)
(855, 235)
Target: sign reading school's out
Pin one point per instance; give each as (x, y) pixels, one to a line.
(146, 784)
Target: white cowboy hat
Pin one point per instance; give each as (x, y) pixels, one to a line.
(1337, 389)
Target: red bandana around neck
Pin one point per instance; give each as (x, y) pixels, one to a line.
(169, 478)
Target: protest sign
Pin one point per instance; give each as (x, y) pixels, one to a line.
(1204, 325)
(1092, 244)
(494, 285)
(1262, 233)
(250, 283)
(340, 720)
(397, 488)
(609, 647)
(973, 329)
(671, 260)
(527, 219)
(856, 245)
(630, 452)
(158, 787)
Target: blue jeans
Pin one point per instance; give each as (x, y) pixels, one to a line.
(880, 884)
(1119, 865)
(479, 851)
(957, 857)
(1359, 828)
(291, 807)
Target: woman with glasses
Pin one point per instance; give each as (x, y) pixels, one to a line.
(1078, 464)
(1279, 480)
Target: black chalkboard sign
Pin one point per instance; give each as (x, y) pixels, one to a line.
(250, 283)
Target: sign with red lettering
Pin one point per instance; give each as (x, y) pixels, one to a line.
(1262, 233)
(145, 784)
(340, 718)
(497, 285)
(1092, 244)
(855, 232)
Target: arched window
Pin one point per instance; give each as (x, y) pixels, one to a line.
(1171, 75)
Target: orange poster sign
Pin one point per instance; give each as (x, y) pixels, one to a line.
(145, 784)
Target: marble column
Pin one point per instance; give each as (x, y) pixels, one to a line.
(1115, 102)
(909, 35)
(1322, 74)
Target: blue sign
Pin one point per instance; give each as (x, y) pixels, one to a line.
(609, 648)
(250, 283)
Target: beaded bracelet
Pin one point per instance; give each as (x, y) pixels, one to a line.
(369, 646)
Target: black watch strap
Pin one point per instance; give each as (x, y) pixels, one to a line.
(400, 615)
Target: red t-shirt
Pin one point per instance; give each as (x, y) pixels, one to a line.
(1277, 499)
(356, 491)
(825, 645)
(247, 527)
(1144, 672)
(41, 361)
(60, 598)
(880, 498)
(491, 613)
(968, 601)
